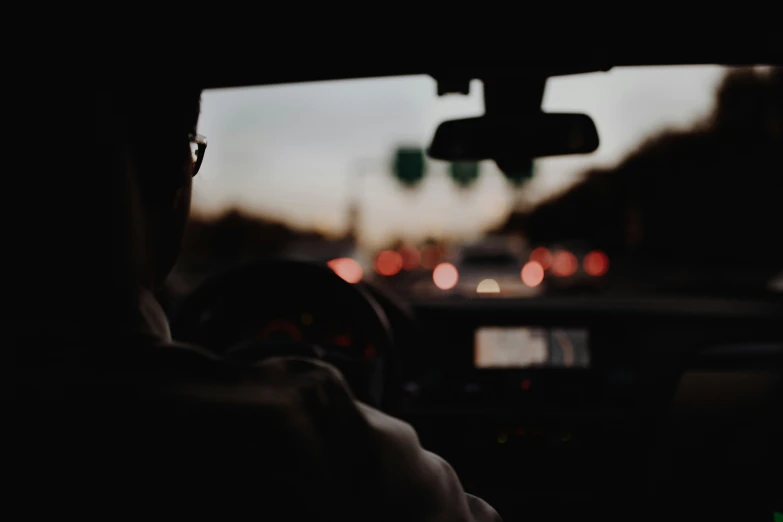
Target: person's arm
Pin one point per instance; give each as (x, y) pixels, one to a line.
(429, 485)
(371, 460)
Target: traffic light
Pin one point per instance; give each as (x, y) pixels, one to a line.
(517, 171)
(409, 165)
(464, 173)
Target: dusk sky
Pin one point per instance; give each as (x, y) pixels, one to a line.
(301, 153)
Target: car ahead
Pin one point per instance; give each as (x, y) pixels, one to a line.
(491, 268)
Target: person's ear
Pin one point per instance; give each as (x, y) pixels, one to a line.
(176, 200)
(181, 196)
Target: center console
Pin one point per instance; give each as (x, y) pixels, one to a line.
(532, 407)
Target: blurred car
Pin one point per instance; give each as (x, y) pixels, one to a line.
(492, 268)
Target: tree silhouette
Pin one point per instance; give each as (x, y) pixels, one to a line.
(706, 198)
(235, 237)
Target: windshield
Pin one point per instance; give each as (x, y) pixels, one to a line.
(318, 171)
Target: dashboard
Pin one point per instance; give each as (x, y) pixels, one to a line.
(552, 404)
(540, 404)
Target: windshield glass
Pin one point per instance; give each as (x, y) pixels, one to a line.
(308, 171)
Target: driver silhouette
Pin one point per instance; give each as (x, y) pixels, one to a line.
(139, 421)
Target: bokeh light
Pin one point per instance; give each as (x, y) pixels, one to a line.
(388, 262)
(532, 274)
(564, 263)
(348, 269)
(445, 276)
(430, 257)
(543, 256)
(488, 286)
(596, 263)
(411, 258)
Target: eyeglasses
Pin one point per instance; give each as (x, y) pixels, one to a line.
(198, 145)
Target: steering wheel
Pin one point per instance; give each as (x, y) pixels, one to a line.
(259, 310)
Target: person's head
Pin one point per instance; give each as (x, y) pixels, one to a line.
(106, 198)
(164, 152)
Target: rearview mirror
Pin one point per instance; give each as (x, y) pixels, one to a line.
(482, 138)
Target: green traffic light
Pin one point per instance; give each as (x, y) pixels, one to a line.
(464, 173)
(516, 171)
(410, 165)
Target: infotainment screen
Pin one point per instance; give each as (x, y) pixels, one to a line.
(523, 347)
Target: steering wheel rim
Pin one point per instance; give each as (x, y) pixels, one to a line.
(280, 278)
